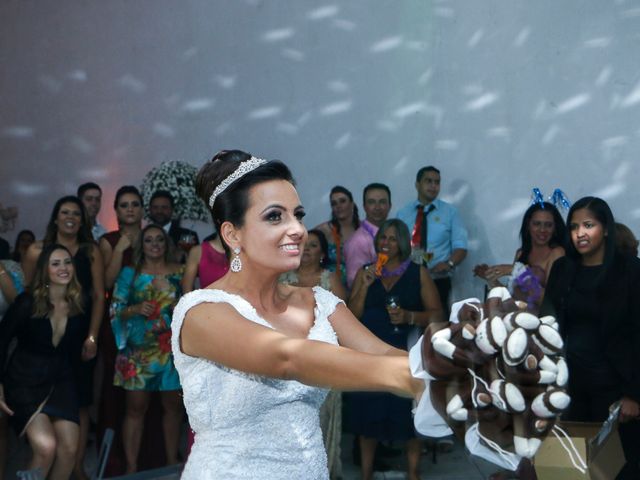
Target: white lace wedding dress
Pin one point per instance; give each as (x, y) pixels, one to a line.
(248, 426)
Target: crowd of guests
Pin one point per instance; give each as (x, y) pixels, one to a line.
(86, 320)
(86, 315)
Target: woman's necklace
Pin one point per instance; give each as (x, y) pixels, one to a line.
(399, 270)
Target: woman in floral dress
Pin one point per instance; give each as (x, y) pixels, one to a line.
(141, 309)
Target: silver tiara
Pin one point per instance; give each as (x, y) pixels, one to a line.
(244, 168)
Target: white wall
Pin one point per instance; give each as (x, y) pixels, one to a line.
(501, 95)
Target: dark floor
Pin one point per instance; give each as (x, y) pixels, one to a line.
(455, 465)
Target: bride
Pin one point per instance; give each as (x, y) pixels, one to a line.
(256, 357)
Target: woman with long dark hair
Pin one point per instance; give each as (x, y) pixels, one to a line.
(37, 388)
(117, 246)
(544, 236)
(344, 222)
(594, 292)
(69, 225)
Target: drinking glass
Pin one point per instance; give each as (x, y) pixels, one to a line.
(186, 241)
(393, 302)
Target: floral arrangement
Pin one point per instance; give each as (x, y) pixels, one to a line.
(178, 178)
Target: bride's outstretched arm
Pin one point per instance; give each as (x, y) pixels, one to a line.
(219, 333)
(354, 335)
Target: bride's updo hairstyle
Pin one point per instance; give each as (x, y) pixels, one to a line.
(232, 204)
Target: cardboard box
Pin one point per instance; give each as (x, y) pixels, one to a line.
(598, 445)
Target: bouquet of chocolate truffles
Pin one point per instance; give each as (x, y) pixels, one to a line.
(496, 369)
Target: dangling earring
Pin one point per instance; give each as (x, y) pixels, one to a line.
(236, 263)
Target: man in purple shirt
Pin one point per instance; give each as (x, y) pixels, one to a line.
(359, 249)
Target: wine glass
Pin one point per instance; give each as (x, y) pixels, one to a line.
(393, 302)
(427, 257)
(186, 241)
(417, 255)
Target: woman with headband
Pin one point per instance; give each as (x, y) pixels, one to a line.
(543, 236)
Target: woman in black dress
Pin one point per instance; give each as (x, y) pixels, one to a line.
(594, 292)
(389, 300)
(69, 225)
(37, 388)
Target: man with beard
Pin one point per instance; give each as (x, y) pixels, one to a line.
(161, 209)
(91, 196)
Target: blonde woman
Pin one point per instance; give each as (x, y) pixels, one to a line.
(37, 388)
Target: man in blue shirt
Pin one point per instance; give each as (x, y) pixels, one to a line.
(438, 237)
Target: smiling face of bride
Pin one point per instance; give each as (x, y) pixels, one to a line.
(273, 235)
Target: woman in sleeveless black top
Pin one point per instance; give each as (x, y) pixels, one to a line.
(390, 299)
(39, 382)
(69, 225)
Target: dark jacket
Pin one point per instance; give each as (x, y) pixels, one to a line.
(175, 232)
(37, 367)
(619, 295)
